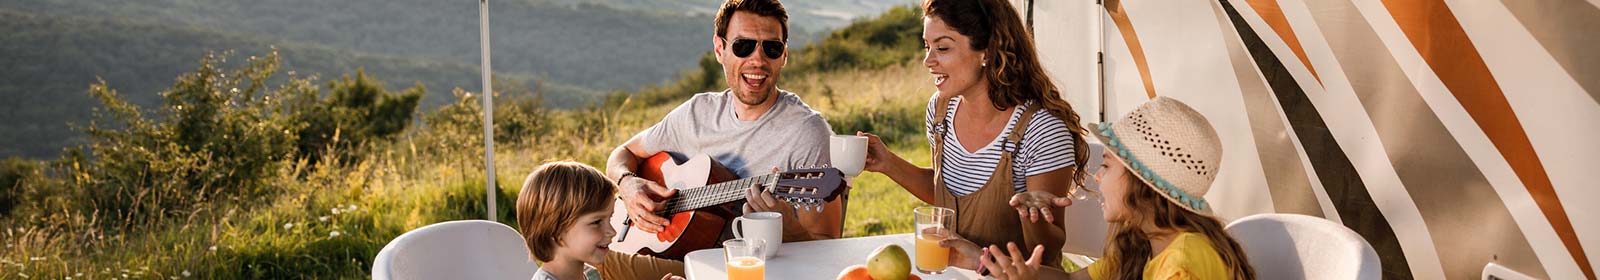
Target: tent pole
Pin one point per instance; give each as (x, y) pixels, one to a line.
(488, 111)
(1030, 15)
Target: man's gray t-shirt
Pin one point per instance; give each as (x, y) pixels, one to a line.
(790, 135)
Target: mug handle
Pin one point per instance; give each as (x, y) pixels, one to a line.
(738, 231)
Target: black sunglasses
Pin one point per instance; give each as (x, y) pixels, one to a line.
(743, 47)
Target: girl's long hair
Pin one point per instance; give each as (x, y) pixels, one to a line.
(1129, 248)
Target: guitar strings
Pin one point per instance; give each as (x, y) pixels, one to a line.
(695, 198)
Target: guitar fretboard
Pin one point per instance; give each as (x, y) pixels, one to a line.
(711, 195)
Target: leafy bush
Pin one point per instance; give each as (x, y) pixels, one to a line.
(219, 134)
(12, 173)
(222, 134)
(356, 112)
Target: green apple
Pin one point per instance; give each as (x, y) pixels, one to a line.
(889, 262)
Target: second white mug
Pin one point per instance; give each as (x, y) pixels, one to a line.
(764, 226)
(848, 153)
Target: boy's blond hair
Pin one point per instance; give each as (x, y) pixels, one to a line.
(553, 197)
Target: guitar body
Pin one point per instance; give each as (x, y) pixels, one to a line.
(688, 231)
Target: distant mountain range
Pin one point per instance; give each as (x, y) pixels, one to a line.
(811, 15)
(570, 50)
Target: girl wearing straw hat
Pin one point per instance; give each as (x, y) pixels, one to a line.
(1159, 163)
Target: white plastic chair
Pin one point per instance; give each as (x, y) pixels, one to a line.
(467, 249)
(1494, 271)
(1291, 246)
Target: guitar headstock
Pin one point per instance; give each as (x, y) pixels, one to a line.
(809, 188)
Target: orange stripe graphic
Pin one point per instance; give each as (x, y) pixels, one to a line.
(1436, 34)
(1120, 18)
(1269, 11)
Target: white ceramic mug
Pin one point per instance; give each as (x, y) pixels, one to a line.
(848, 153)
(764, 226)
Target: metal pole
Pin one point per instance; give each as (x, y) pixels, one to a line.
(1030, 16)
(488, 109)
(1100, 56)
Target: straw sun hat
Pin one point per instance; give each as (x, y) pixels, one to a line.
(1170, 146)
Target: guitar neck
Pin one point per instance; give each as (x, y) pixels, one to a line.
(714, 194)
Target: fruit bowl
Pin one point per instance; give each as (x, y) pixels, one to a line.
(888, 262)
(859, 272)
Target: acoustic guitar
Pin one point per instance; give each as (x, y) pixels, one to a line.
(702, 207)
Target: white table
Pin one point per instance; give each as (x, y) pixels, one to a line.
(813, 259)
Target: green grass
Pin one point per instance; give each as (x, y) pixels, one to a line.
(878, 206)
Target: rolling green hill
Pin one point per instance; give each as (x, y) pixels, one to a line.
(568, 50)
(51, 60)
(594, 46)
(52, 50)
(810, 15)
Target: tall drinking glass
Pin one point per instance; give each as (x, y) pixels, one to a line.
(933, 225)
(746, 260)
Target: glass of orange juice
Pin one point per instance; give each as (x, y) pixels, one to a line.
(746, 260)
(933, 225)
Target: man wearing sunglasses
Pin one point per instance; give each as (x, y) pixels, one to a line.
(752, 127)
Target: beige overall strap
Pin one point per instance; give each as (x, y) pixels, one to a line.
(940, 127)
(1009, 149)
(1015, 138)
(1029, 235)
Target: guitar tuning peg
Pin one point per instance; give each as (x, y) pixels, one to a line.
(796, 206)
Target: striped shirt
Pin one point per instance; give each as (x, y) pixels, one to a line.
(1046, 146)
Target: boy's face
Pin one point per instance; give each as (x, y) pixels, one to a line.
(588, 238)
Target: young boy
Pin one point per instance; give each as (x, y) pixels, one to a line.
(563, 212)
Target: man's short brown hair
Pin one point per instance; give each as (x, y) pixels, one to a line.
(764, 8)
(553, 197)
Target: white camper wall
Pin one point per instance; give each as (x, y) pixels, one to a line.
(1068, 40)
(1068, 34)
(1339, 109)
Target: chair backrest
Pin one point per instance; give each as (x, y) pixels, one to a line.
(468, 249)
(1291, 246)
(1495, 271)
(1085, 225)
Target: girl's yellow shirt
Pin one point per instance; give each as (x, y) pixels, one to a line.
(1190, 256)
